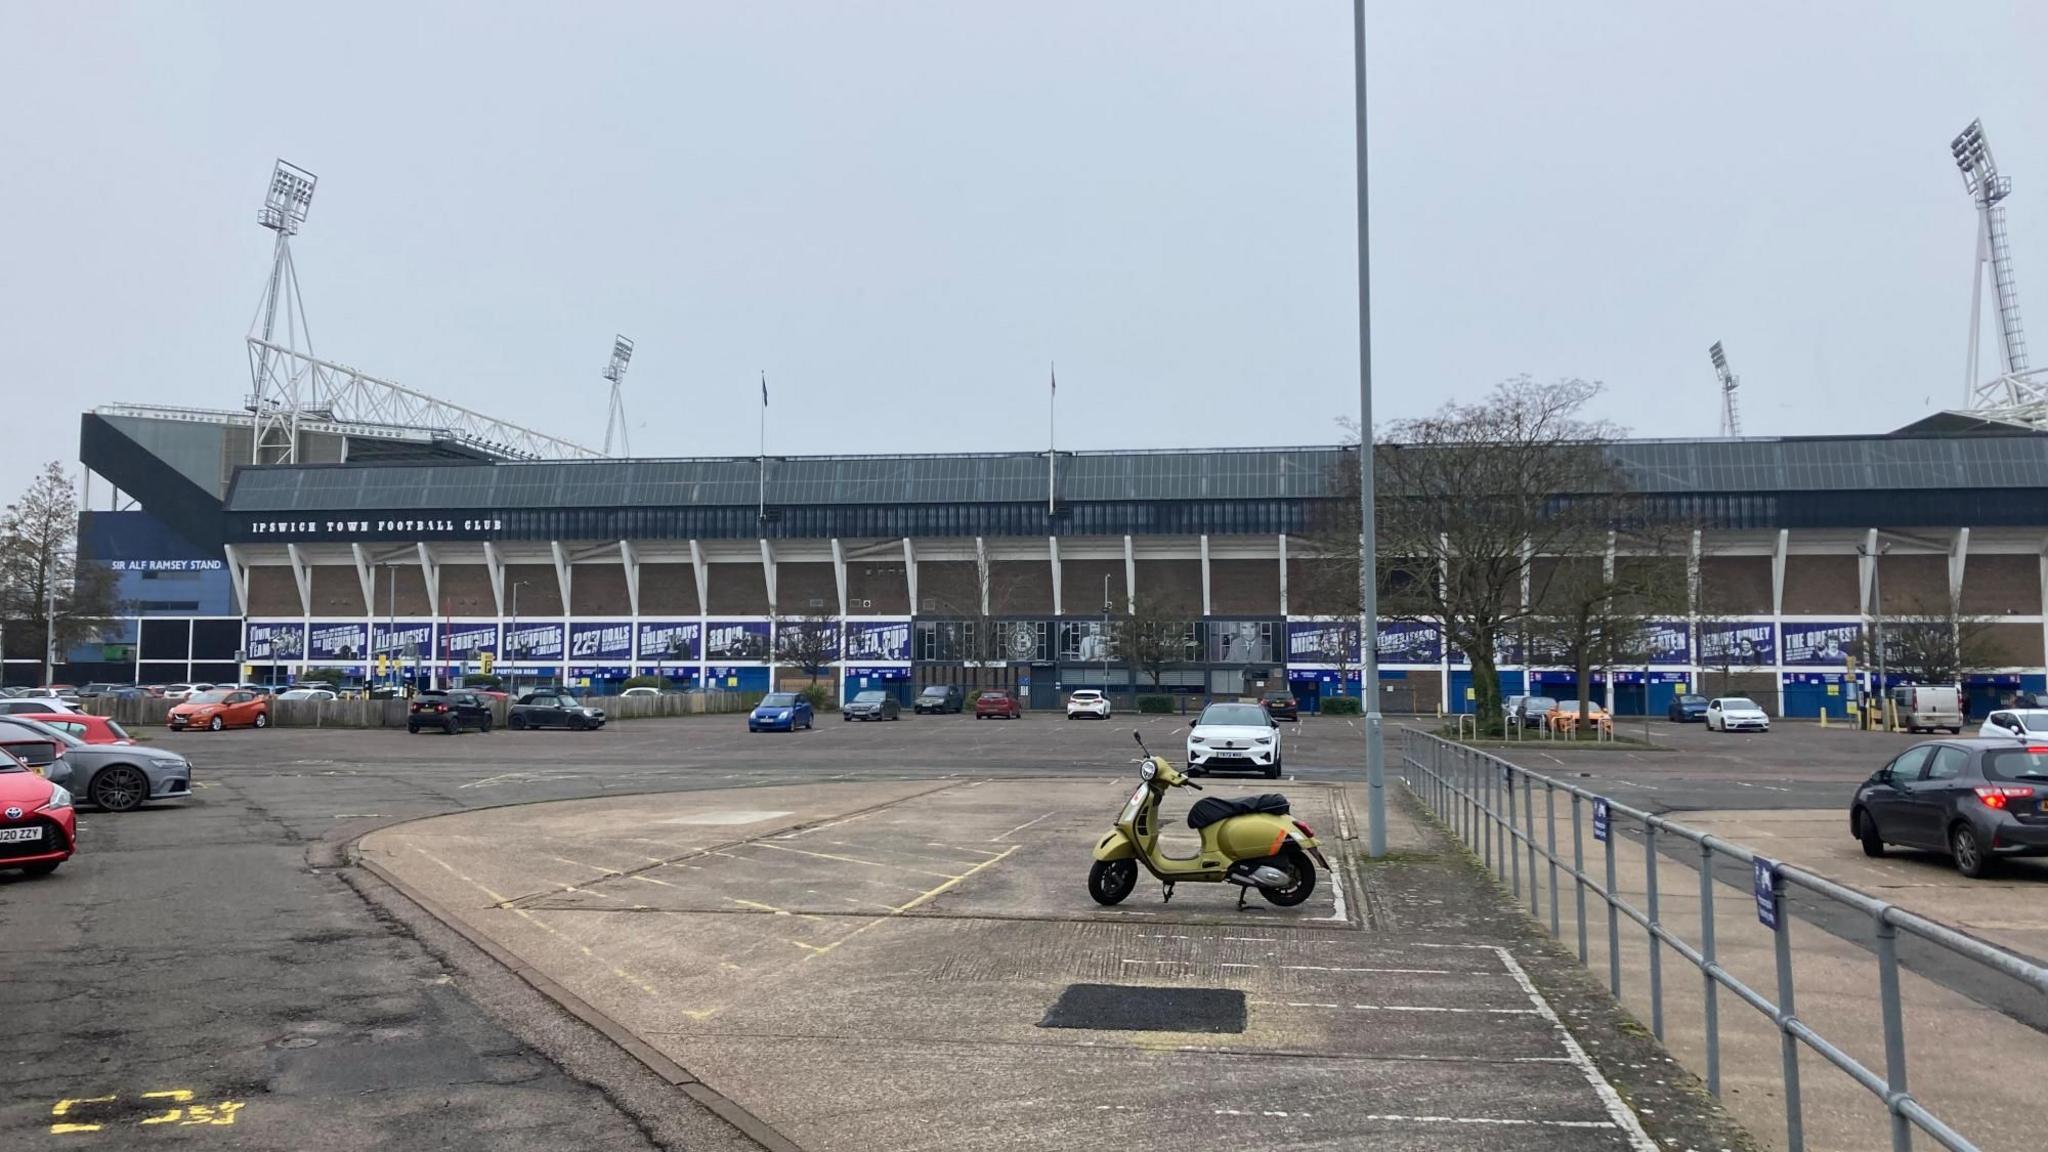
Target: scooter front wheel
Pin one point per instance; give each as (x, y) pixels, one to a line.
(1109, 881)
(1304, 884)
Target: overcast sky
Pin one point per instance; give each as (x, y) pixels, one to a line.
(904, 211)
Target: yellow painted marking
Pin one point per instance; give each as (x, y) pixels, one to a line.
(927, 896)
(222, 1114)
(172, 1115)
(64, 1107)
(852, 860)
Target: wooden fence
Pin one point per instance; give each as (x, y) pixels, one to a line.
(152, 713)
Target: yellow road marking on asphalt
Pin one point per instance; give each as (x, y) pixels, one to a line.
(929, 895)
(851, 860)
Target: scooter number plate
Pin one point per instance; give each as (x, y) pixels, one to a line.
(1132, 805)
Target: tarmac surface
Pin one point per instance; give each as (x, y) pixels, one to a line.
(216, 972)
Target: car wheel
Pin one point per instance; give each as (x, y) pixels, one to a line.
(1865, 829)
(518, 722)
(215, 724)
(1273, 773)
(263, 719)
(1968, 849)
(451, 727)
(120, 788)
(413, 728)
(42, 869)
(1955, 731)
(485, 726)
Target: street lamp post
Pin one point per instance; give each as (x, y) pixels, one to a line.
(1877, 623)
(1368, 552)
(512, 637)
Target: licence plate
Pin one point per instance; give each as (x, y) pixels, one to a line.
(19, 835)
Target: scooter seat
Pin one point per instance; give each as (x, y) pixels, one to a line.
(1214, 809)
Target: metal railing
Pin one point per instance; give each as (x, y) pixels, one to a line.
(1491, 805)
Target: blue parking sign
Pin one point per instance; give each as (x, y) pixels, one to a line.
(1766, 892)
(1600, 818)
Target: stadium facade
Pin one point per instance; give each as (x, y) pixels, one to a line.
(411, 548)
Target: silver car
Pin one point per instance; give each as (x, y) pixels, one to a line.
(115, 777)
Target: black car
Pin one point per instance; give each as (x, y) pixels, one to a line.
(872, 706)
(1282, 706)
(1687, 709)
(1973, 798)
(449, 712)
(940, 698)
(548, 709)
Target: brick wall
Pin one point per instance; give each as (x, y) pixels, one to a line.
(2011, 645)
(1735, 585)
(1914, 584)
(599, 590)
(2002, 585)
(668, 590)
(466, 591)
(1173, 586)
(411, 587)
(880, 581)
(540, 594)
(1245, 587)
(273, 592)
(1083, 578)
(738, 590)
(1821, 585)
(798, 584)
(336, 591)
(948, 588)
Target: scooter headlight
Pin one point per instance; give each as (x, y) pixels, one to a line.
(1148, 770)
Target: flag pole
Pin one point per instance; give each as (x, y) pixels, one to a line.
(761, 509)
(1052, 442)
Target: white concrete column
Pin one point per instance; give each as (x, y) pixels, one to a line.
(910, 572)
(301, 576)
(1054, 543)
(839, 573)
(703, 574)
(1208, 602)
(629, 558)
(1692, 612)
(565, 573)
(768, 576)
(1283, 578)
(238, 575)
(430, 574)
(366, 575)
(1778, 549)
(1958, 555)
(494, 563)
(1866, 570)
(1130, 576)
(981, 571)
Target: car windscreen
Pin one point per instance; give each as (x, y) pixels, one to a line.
(1739, 704)
(1692, 699)
(868, 698)
(1233, 715)
(2016, 764)
(779, 700)
(1539, 703)
(209, 698)
(933, 692)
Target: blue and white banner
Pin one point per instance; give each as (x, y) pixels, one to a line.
(274, 640)
(1738, 644)
(1331, 642)
(346, 642)
(670, 641)
(1667, 641)
(737, 641)
(1409, 642)
(404, 638)
(464, 640)
(531, 642)
(1827, 642)
(877, 641)
(607, 642)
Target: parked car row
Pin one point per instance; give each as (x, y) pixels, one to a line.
(48, 764)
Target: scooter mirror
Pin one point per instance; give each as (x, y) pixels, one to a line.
(1141, 743)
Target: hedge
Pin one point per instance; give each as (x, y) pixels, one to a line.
(1155, 703)
(1340, 706)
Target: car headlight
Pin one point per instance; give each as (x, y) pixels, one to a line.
(783, 714)
(60, 797)
(172, 764)
(1198, 739)
(1262, 739)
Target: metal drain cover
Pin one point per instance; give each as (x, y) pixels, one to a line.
(1144, 1008)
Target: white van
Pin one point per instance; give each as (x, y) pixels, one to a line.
(1923, 708)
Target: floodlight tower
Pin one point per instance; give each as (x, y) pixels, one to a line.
(622, 355)
(2017, 391)
(1731, 421)
(276, 401)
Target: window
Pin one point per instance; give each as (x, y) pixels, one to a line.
(1240, 642)
(1907, 767)
(1946, 763)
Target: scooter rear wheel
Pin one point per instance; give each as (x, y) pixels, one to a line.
(1109, 881)
(1304, 885)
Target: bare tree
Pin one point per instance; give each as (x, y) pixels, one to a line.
(45, 592)
(1935, 642)
(1158, 632)
(1594, 615)
(810, 643)
(1467, 498)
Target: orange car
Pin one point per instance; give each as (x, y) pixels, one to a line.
(91, 729)
(1566, 717)
(222, 708)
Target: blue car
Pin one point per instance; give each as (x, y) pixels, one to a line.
(780, 712)
(1687, 709)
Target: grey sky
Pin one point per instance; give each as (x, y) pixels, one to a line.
(903, 211)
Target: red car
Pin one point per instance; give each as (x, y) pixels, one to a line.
(1000, 705)
(38, 830)
(91, 729)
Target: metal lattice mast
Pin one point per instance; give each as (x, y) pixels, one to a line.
(2018, 391)
(1731, 420)
(276, 399)
(622, 355)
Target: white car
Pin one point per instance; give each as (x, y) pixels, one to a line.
(305, 694)
(33, 704)
(1234, 736)
(642, 690)
(184, 692)
(1088, 702)
(1736, 714)
(2017, 723)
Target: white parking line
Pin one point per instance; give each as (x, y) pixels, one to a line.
(1458, 1011)
(1020, 828)
(1623, 1118)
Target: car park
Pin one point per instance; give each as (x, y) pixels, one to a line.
(221, 708)
(2030, 724)
(306, 694)
(1686, 708)
(94, 691)
(871, 705)
(1736, 714)
(1088, 702)
(1534, 711)
(1976, 799)
(549, 708)
(31, 705)
(91, 729)
(38, 828)
(1282, 706)
(1566, 717)
(448, 712)
(1232, 736)
(780, 712)
(997, 704)
(1925, 707)
(113, 777)
(938, 698)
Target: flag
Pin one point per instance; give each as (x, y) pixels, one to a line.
(764, 389)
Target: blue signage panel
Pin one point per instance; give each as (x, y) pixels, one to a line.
(463, 640)
(878, 641)
(1668, 641)
(1331, 642)
(1738, 644)
(1410, 642)
(1601, 818)
(1766, 874)
(601, 641)
(529, 642)
(402, 638)
(670, 641)
(1827, 642)
(274, 640)
(737, 641)
(347, 641)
